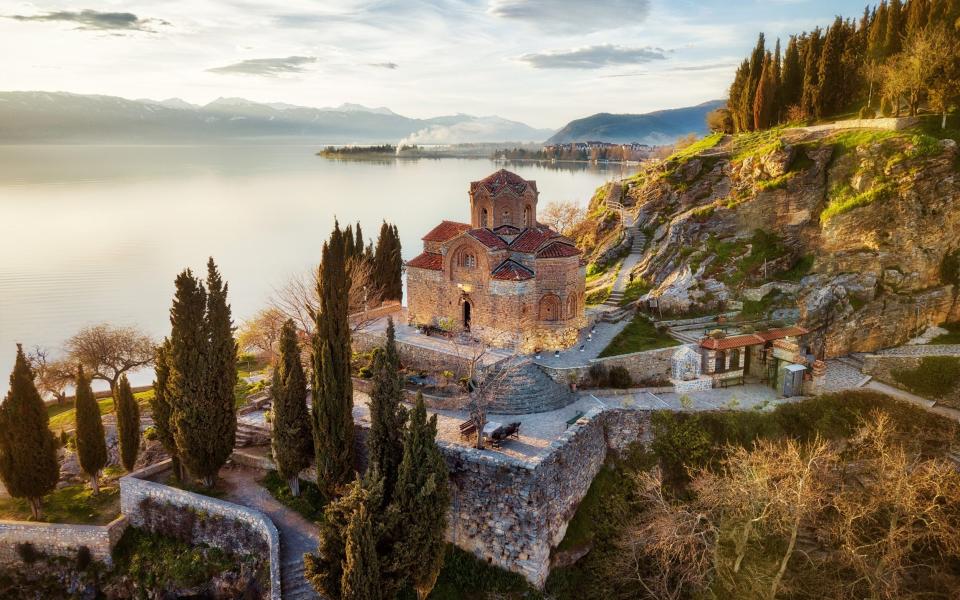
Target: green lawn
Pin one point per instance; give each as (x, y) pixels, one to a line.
(635, 289)
(951, 337)
(309, 503)
(64, 416)
(638, 336)
(71, 504)
(936, 377)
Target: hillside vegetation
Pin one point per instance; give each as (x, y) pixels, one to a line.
(853, 225)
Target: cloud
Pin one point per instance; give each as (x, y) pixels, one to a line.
(573, 16)
(92, 19)
(385, 65)
(593, 57)
(267, 67)
(709, 67)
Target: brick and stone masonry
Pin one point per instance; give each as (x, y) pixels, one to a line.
(504, 277)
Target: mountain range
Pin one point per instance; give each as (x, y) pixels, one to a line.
(654, 128)
(59, 117)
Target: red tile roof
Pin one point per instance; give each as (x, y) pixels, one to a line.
(427, 260)
(503, 180)
(445, 230)
(528, 241)
(512, 271)
(782, 332)
(752, 339)
(558, 250)
(507, 230)
(488, 238)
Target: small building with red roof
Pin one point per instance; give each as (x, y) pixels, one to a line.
(504, 277)
(778, 357)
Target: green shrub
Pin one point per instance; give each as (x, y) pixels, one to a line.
(951, 337)
(950, 270)
(846, 201)
(776, 183)
(466, 576)
(309, 503)
(598, 375)
(935, 377)
(620, 377)
(867, 112)
(598, 296)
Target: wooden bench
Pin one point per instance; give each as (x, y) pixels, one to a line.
(468, 427)
(731, 381)
(574, 418)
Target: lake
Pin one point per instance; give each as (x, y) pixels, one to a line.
(94, 233)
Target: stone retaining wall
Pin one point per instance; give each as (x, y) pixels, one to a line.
(642, 366)
(59, 539)
(882, 366)
(458, 402)
(411, 355)
(512, 512)
(138, 495)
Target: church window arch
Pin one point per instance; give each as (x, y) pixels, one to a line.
(506, 218)
(550, 307)
(572, 306)
(527, 216)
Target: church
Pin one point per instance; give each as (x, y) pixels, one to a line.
(505, 278)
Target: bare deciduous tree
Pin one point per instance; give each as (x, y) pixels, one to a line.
(892, 504)
(108, 351)
(297, 299)
(52, 375)
(561, 215)
(262, 332)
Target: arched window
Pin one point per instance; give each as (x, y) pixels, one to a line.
(484, 219)
(550, 308)
(506, 219)
(527, 216)
(572, 306)
(466, 259)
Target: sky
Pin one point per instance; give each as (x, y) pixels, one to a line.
(543, 62)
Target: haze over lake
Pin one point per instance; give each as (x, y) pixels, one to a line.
(94, 233)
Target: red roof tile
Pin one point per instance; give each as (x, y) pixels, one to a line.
(512, 271)
(445, 230)
(782, 332)
(503, 180)
(558, 250)
(736, 341)
(488, 238)
(528, 241)
(507, 230)
(751, 339)
(427, 260)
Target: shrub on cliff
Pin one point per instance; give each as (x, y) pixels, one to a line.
(91, 443)
(28, 451)
(291, 439)
(128, 424)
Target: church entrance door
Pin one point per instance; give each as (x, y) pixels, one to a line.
(466, 314)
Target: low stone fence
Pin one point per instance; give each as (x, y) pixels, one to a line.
(642, 366)
(882, 366)
(413, 355)
(458, 402)
(211, 521)
(60, 539)
(388, 308)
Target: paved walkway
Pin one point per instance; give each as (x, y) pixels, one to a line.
(593, 341)
(297, 535)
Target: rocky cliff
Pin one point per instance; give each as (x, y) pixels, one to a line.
(855, 233)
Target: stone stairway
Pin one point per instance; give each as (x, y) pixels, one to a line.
(525, 389)
(250, 435)
(293, 583)
(623, 277)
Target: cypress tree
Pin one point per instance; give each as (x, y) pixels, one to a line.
(128, 424)
(291, 441)
(361, 565)
(332, 386)
(792, 77)
(892, 42)
(221, 414)
(187, 380)
(811, 71)
(764, 100)
(348, 248)
(161, 407)
(749, 93)
(830, 85)
(421, 500)
(28, 451)
(736, 95)
(777, 110)
(324, 570)
(396, 266)
(358, 246)
(387, 415)
(91, 443)
(388, 263)
(877, 48)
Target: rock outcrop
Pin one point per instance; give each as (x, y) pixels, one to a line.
(864, 224)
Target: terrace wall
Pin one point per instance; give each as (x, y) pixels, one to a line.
(59, 539)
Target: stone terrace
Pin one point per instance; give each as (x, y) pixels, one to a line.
(538, 431)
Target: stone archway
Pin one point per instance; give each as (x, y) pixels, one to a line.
(549, 308)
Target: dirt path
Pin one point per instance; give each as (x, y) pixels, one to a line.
(297, 534)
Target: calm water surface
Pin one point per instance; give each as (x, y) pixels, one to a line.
(91, 234)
